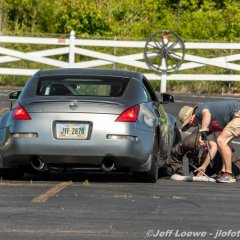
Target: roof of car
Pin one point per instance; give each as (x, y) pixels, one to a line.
(90, 71)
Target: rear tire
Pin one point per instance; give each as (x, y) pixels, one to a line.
(166, 170)
(153, 173)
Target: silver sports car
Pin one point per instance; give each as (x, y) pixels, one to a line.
(87, 119)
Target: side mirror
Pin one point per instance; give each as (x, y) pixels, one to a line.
(14, 95)
(166, 98)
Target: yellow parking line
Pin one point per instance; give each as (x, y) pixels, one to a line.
(51, 192)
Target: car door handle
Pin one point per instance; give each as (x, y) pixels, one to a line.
(157, 112)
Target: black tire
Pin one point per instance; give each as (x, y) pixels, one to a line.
(153, 173)
(166, 170)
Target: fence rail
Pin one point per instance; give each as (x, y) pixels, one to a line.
(73, 47)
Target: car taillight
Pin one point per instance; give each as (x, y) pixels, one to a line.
(20, 113)
(129, 115)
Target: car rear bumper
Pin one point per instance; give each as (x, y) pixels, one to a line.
(90, 163)
(131, 154)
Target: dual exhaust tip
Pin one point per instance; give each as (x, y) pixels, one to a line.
(38, 164)
(108, 165)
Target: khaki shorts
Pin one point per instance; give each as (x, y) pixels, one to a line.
(234, 125)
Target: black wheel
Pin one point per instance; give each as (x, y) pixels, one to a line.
(153, 173)
(166, 170)
(164, 51)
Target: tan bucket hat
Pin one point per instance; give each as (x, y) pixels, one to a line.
(185, 115)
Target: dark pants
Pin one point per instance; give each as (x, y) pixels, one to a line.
(189, 147)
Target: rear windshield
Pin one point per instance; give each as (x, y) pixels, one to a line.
(100, 86)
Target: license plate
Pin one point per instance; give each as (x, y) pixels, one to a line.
(72, 130)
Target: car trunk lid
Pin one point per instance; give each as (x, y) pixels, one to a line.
(83, 106)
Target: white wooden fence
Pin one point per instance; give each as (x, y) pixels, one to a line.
(73, 47)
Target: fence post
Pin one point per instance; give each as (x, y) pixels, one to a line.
(72, 48)
(164, 76)
(164, 82)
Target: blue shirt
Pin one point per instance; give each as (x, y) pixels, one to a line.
(222, 112)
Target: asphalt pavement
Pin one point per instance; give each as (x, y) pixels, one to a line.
(116, 206)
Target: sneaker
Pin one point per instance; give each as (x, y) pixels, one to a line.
(226, 178)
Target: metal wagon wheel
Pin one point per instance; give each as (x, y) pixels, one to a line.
(164, 51)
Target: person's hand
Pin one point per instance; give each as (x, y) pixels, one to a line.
(203, 133)
(203, 136)
(201, 142)
(201, 168)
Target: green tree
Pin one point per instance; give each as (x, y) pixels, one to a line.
(84, 17)
(3, 15)
(231, 15)
(29, 15)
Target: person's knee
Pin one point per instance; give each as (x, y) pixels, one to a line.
(221, 142)
(213, 144)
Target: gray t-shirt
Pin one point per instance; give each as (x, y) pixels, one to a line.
(222, 112)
